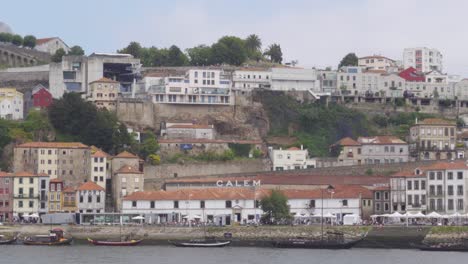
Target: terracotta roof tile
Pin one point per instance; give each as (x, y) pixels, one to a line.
(56, 180)
(293, 148)
(381, 140)
(203, 140)
(448, 165)
(128, 170)
(69, 189)
(90, 186)
(44, 40)
(104, 80)
(347, 141)
(4, 174)
(375, 57)
(409, 174)
(52, 145)
(193, 126)
(28, 174)
(98, 153)
(126, 155)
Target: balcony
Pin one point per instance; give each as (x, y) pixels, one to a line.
(24, 196)
(436, 194)
(69, 204)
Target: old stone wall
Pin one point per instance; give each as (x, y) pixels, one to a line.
(24, 81)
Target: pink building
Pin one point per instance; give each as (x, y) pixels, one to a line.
(6, 197)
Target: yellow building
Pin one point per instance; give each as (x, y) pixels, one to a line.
(29, 194)
(433, 139)
(69, 200)
(11, 104)
(55, 196)
(103, 93)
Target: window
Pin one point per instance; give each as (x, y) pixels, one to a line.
(410, 199)
(439, 175)
(423, 199)
(450, 190)
(312, 204)
(450, 176)
(228, 204)
(450, 204)
(81, 198)
(431, 190)
(410, 185)
(21, 180)
(202, 204)
(31, 204)
(31, 180)
(152, 204)
(90, 199)
(176, 204)
(460, 190)
(416, 199)
(439, 189)
(460, 204)
(416, 185)
(377, 195)
(423, 185)
(439, 205)
(431, 175)
(386, 195)
(460, 175)
(20, 204)
(344, 202)
(98, 198)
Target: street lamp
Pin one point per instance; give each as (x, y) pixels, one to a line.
(330, 189)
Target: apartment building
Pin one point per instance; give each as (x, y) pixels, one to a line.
(327, 80)
(56, 196)
(69, 200)
(294, 79)
(376, 62)
(100, 167)
(423, 59)
(433, 139)
(29, 194)
(91, 198)
(11, 104)
(126, 181)
(104, 93)
(69, 161)
(196, 87)
(290, 159)
(247, 79)
(6, 197)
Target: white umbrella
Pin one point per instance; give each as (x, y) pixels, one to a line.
(455, 215)
(329, 215)
(185, 216)
(138, 218)
(196, 216)
(33, 215)
(418, 215)
(395, 215)
(434, 215)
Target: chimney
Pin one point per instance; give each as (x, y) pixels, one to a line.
(416, 121)
(302, 147)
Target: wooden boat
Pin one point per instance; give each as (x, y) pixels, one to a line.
(114, 243)
(442, 247)
(4, 241)
(204, 243)
(54, 238)
(314, 244)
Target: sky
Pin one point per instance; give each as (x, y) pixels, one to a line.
(316, 33)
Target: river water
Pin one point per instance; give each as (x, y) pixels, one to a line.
(171, 255)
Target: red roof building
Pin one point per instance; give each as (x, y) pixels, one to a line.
(412, 75)
(41, 97)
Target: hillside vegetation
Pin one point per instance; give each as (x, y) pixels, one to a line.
(317, 126)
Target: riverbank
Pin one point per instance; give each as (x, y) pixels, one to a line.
(254, 236)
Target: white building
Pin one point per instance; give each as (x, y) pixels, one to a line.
(409, 191)
(376, 62)
(251, 78)
(422, 59)
(290, 159)
(11, 104)
(91, 198)
(172, 130)
(294, 79)
(383, 150)
(197, 87)
(51, 45)
(100, 166)
(327, 80)
(224, 206)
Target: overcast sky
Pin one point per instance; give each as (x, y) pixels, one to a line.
(316, 33)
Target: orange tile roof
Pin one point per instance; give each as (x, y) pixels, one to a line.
(98, 153)
(104, 80)
(340, 192)
(126, 169)
(203, 140)
(408, 174)
(347, 141)
(52, 145)
(193, 126)
(4, 174)
(375, 57)
(69, 189)
(126, 155)
(44, 40)
(28, 174)
(436, 121)
(448, 165)
(293, 148)
(57, 180)
(90, 186)
(381, 140)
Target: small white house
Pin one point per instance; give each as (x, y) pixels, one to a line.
(291, 159)
(91, 198)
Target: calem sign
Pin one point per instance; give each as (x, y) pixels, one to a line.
(236, 183)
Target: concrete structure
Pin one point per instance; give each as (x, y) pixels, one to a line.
(172, 130)
(204, 86)
(69, 161)
(91, 198)
(327, 80)
(104, 93)
(75, 73)
(433, 139)
(290, 159)
(422, 59)
(11, 104)
(29, 194)
(51, 45)
(15, 56)
(294, 79)
(199, 146)
(6, 197)
(226, 206)
(247, 79)
(126, 181)
(376, 62)
(56, 195)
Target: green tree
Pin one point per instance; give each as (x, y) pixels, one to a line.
(200, 55)
(349, 60)
(76, 50)
(29, 41)
(253, 43)
(17, 40)
(57, 57)
(6, 37)
(149, 145)
(154, 159)
(134, 48)
(176, 57)
(161, 57)
(275, 206)
(148, 55)
(229, 50)
(275, 53)
(228, 154)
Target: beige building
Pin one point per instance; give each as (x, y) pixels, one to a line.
(55, 196)
(69, 161)
(350, 152)
(103, 93)
(11, 104)
(126, 180)
(376, 62)
(124, 158)
(28, 197)
(433, 139)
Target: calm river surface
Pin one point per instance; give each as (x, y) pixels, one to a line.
(168, 255)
